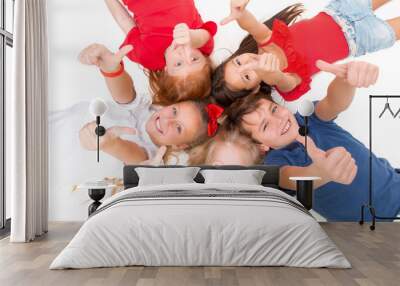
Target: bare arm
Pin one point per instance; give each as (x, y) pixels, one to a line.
(286, 172)
(339, 97)
(288, 82)
(247, 21)
(111, 143)
(199, 37)
(121, 87)
(258, 30)
(126, 151)
(342, 89)
(120, 15)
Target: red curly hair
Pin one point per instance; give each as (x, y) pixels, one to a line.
(168, 89)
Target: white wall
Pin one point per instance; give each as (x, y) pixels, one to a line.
(74, 24)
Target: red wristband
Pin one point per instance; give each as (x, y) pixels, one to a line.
(116, 73)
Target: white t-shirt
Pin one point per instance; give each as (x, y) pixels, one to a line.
(140, 110)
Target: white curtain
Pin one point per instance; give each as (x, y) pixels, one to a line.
(26, 120)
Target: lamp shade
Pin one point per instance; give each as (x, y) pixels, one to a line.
(97, 107)
(306, 108)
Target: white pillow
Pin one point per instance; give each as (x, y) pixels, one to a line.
(248, 177)
(163, 176)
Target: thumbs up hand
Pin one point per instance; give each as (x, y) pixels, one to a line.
(267, 67)
(102, 57)
(356, 73)
(335, 165)
(157, 160)
(237, 8)
(181, 38)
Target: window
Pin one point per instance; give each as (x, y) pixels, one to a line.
(6, 44)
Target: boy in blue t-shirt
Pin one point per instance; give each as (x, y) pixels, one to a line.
(334, 154)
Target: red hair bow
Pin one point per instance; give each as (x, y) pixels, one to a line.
(214, 112)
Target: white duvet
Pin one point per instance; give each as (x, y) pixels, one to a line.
(183, 231)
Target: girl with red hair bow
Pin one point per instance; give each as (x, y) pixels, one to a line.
(179, 127)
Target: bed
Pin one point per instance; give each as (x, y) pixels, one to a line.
(198, 224)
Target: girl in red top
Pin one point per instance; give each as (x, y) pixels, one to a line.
(286, 57)
(171, 41)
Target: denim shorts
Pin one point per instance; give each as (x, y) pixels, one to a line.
(364, 32)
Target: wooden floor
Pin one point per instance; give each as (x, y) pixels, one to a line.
(375, 257)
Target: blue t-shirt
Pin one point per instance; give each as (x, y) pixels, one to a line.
(338, 202)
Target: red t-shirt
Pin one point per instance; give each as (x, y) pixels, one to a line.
(304, 43)
(155, 21)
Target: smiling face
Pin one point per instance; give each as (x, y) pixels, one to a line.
(181, 62)
(176, 125)
(237, 77)
(272, 125)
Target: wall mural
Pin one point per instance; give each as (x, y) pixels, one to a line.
(152, 88)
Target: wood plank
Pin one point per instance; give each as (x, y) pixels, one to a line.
(374, 255)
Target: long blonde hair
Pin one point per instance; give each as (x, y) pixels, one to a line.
(168, 89)
(203, 154)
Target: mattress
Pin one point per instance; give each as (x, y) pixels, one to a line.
(201, 225)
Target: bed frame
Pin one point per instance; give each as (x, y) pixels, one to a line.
(131, 179)
(270, 179)
(304, 192)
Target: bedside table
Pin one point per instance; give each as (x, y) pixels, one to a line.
(96, 191)
(304, 190)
